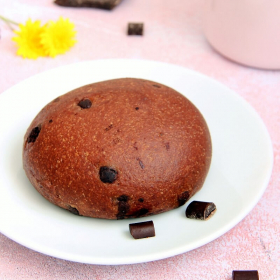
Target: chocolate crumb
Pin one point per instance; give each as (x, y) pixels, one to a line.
(107, 174)
(141, 199)
(109, 127)
(136, 108)
(34, 134)
(141, 163)
(135, 29)
(50, 121)
(157, 86)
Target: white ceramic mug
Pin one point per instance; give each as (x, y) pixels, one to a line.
(246, 31)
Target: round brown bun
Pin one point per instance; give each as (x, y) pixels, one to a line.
(117, 149)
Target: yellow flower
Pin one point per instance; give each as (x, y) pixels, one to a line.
(53, 38)
(58, 37)
(29, 39)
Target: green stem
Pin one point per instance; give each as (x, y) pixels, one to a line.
(8, 20)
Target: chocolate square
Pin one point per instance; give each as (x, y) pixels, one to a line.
(135, 29)
(245, 275)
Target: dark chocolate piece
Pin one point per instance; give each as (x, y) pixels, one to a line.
(33, 134)
(142, 230)
(245, 275)
(101, 4)
(200, 210)
(183, 197)
(73, 210)
(123, 198)
(139, 213)
(123, 208)
(135, 28)
(107, 174)
(85, 103)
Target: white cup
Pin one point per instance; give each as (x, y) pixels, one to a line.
(245, 31)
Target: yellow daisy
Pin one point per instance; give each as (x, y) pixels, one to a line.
(58, 37)
(28, 39)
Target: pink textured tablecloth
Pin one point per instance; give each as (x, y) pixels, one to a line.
(173, 34)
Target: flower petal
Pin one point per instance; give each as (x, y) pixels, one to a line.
(28, 39)
(58, 37)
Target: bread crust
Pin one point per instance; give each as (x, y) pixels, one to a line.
(153, 144)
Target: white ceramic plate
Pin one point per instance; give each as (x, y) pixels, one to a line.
(240, 170)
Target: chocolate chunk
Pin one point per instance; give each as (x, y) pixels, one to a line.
(123, 206)
(142, 230)
(73, 210)
(33, 134)
(107, 174)
(200, 210)
(123, 198)
(135, 28)
(182, 198)
(245, 275)
(123, 209)
(85, 103)
(101, 4)
(140, 213)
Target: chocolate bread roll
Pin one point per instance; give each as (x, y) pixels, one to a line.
(117, 149)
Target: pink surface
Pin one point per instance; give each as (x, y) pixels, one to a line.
(173, 34)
